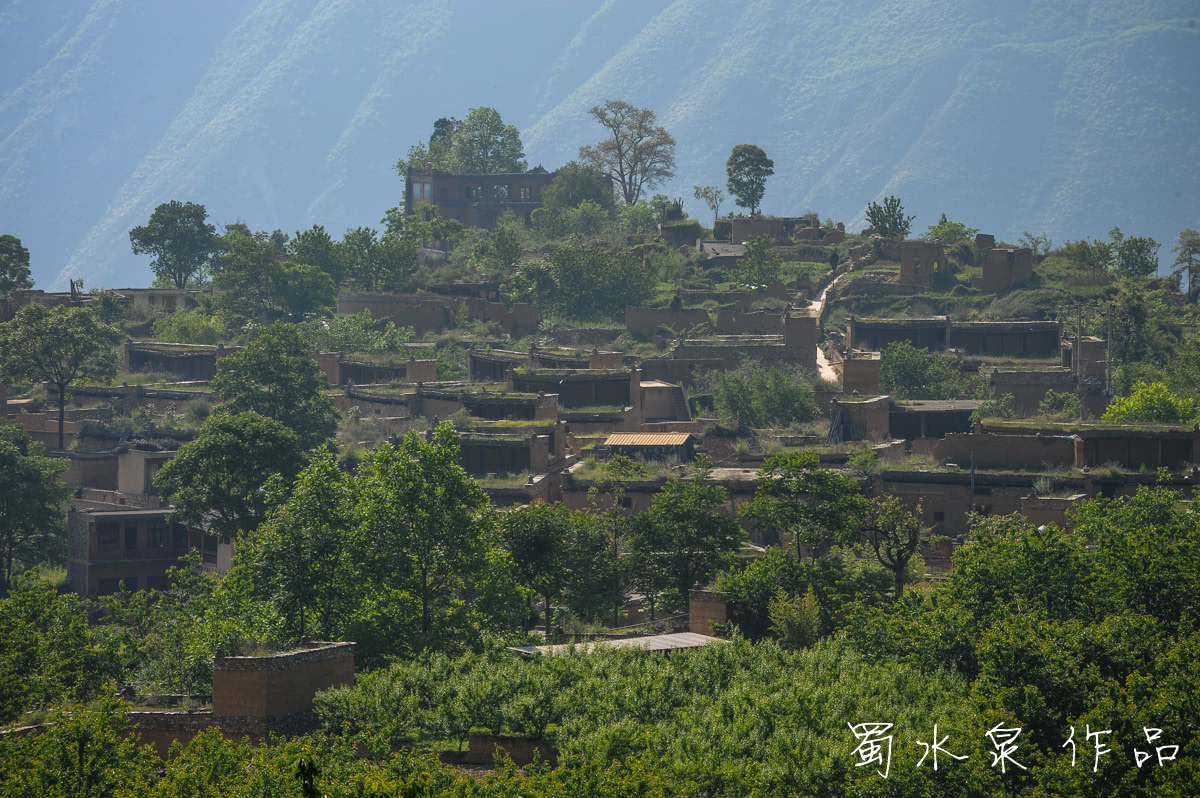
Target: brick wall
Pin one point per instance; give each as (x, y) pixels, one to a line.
(647, 321)
(704, 609)
(283, 684)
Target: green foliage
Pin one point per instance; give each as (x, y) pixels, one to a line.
(180, 240)
(1187, 259)
(712, 196)
(377, 264)
(586, 282)
(354, 332)
(479, 144)
(1063, 405)
(637, 155)
(868, 462)
(763, 397)
(908, 372)
(217, 480)
(32, 526)
(1135, 256)
(46, 650)
(814, 506)
(59, 345)
(451, 361)
(685, 537)
(316, 247)
(260, 286)
(795, 620)
(575, 183)
(999, 407)
(194, 326)
(951, 232)
(275, 376)
(1093, 257)
(1152, 403)
(888, 220)
(14, 266)
(430, 570)
(622, 466)
(760, 267)
(894, 534)
(746, 173)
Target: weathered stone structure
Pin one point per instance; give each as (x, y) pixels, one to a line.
(476, 200)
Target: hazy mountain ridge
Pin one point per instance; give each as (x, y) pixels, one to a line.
(1040, 115)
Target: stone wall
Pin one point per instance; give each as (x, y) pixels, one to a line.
(705, 608)
(648, 321)
(1007, 451)
(281, 684)
(1029, 388)
(731, 322)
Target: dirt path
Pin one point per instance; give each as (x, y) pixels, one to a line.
(824, 370)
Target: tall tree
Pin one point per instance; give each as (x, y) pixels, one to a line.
(217, 481)
(814, 506)
(712, 196)
(14, 266)
(432, 569)
(1134, 256)
(179, 239)
(894, 534)
(888, 219)
(589, 281)
(376, 263)
(259, 285)
(484, 144)
(58, 345)
(316, 247)
(32, 528)
(538, 536)
(275, 376)
(686, 534)
(747, 171)
(576, 182)
(1187, 259)
(298, 558)
(637, 154)
(909, 372)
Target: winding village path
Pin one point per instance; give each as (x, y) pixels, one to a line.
(824, 370)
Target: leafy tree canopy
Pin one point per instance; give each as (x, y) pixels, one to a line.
(32, 528)
(909, 372)
(479, 144)
(951, 232)
(747, 171)
(14, 266)
(637, 155)
(180, 240)
(275, 376)
(888, 219)
(1152, 403)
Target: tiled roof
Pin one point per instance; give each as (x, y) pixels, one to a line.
(647, 439)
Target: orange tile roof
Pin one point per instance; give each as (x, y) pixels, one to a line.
(647, 439)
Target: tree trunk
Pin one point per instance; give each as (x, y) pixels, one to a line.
(900, 580)
(546, 612)
(62, 414)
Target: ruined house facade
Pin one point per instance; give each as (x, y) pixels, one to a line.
(476, 200)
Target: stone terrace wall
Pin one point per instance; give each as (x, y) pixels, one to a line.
(647, 321)
(283, 684)
(1007, 451)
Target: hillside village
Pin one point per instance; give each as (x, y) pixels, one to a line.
(666, 434)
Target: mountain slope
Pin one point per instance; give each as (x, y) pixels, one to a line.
(1067, 117)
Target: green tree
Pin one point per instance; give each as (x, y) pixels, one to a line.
(814, 506)
(1152, 403)
(637, 154)
(909, 372)
(590, 282)
(951, 232)
(32, 528)
(275, 376)
(894, 534)
(259, 286)
(1092, 256)
(194, 326)
(433, 571)
(747, 171)
(537, 536)
(180, 240)
(1039, 243)
(217, 481)
(354, 332)
(685, 533)
(484, 144)
(316, 247)
(47, 652)
(759, 268)
(376, 263)
(58, 345)
(14, 266)
(795, 619)
(422, 232)
(763, 397)
(298, 558)
(712, 196)
(1134, 256)
(575, 182)
(888, 219)
(1187, 259)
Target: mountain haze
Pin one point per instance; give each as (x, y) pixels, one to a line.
(1067, 117)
